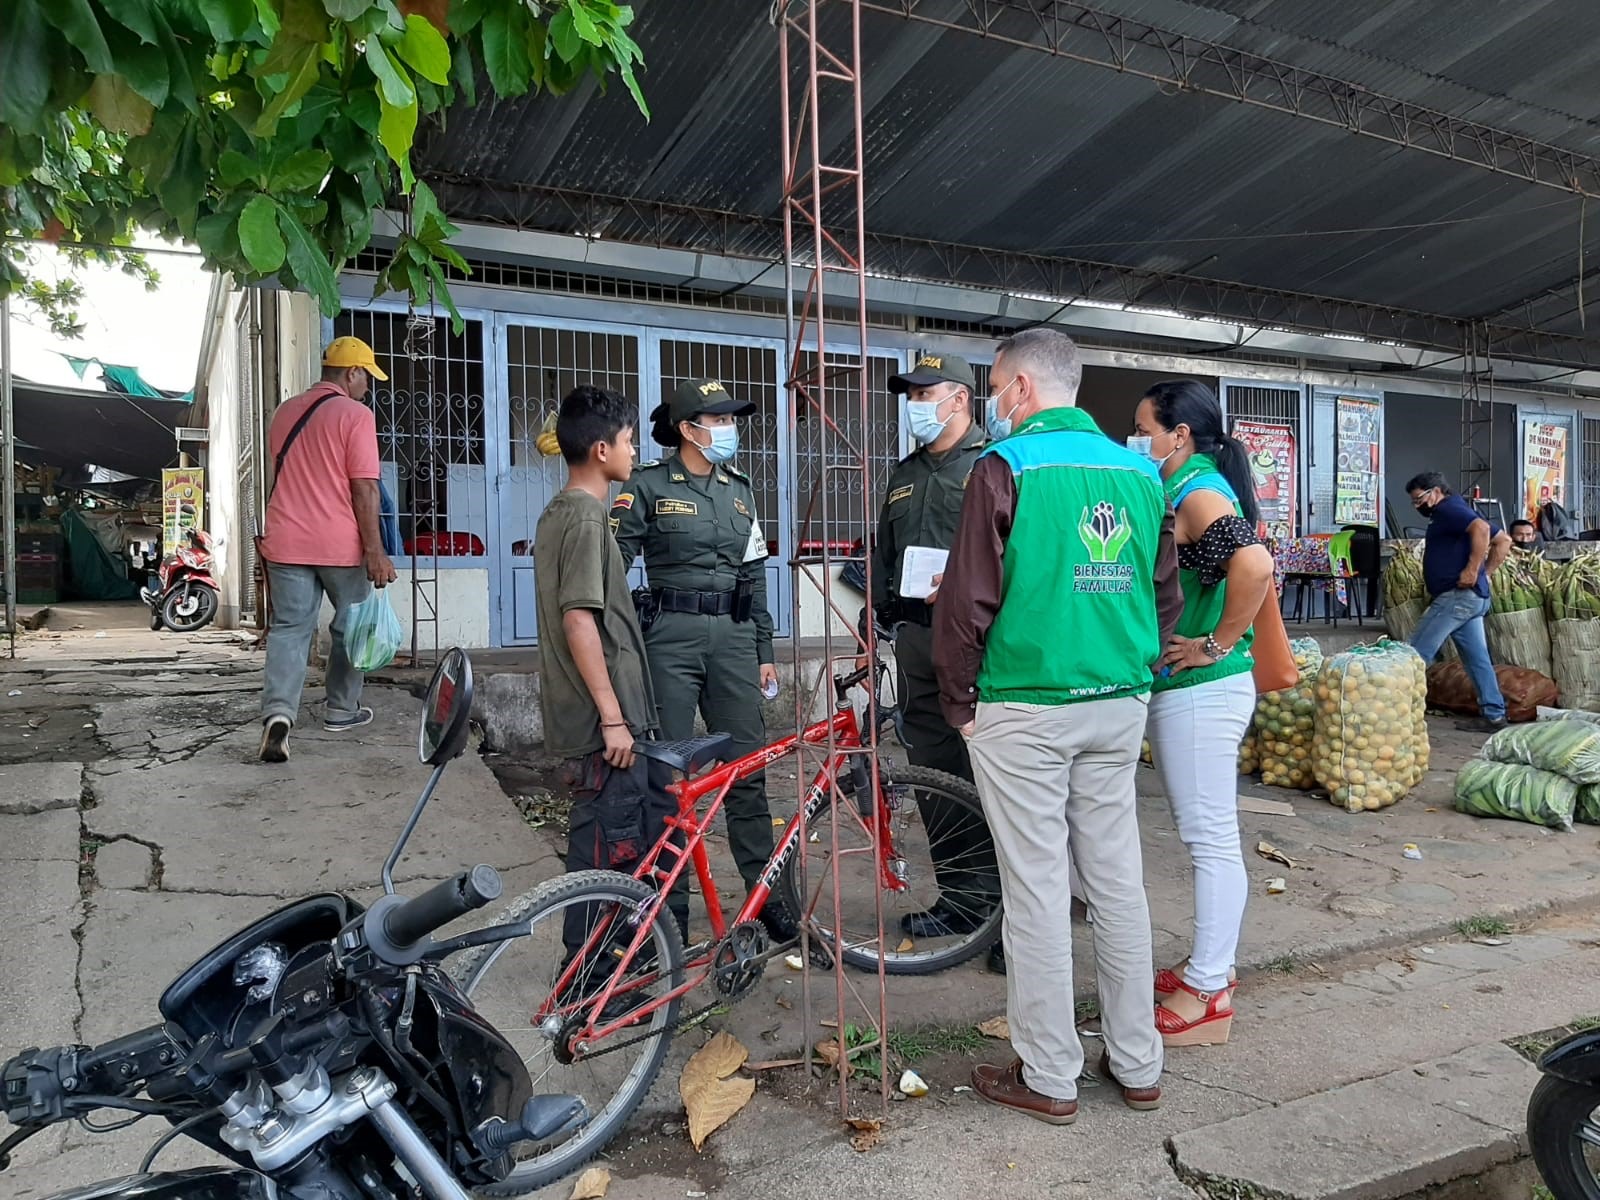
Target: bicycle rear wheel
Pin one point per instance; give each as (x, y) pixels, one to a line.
(924, 810)
(513, 982)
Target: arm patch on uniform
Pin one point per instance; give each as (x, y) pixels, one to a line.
(743, 511)
(901, 493)
(623, 501)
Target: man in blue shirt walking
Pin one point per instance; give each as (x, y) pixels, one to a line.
(1461, 552)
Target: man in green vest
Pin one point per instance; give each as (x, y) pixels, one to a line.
(1061, 590)
(921, 507)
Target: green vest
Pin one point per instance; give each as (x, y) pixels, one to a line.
(1202, 606)
(1078, 616)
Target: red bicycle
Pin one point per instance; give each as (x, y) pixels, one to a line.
(597, 1022)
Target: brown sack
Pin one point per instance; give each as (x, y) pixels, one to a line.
(1450, 688)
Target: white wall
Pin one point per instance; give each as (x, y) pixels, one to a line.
(222, 476)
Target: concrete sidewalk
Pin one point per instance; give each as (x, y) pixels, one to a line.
(1366, 1060)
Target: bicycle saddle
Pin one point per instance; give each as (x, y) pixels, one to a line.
(688, 754)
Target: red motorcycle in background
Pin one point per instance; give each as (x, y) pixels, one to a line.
(184, 598)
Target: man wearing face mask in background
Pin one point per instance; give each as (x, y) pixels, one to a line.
(921, 507)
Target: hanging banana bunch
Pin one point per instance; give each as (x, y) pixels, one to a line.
(546, 442)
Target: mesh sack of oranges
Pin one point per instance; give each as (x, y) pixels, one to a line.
(1284, 723)
(1370, 745)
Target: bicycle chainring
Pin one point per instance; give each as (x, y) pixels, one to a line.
(739, 964)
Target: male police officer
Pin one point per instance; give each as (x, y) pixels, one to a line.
(921, 508)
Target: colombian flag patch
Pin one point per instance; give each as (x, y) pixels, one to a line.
(623, 501)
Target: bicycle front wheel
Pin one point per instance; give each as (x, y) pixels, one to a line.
(940, 886)
(516, 986)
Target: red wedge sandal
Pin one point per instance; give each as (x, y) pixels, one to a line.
(1210, 1028)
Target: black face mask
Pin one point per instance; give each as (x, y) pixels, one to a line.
(1427, 510)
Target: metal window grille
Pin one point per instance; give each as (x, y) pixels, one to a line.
(1590, 460)
(430, 417)
(819, 459)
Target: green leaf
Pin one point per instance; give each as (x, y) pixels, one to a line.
(144, 65)
(118, 107)
(505, 54)
(346, 10)
(184, 184)
(464, 72)
(428, 223)
(271, 23)
(309, 264)
(300, 82)
(583, 23)
(218, 236)
(625, 69)
(466, 15)
(181, 86)
(301, 172)
(259, 237)
(564, 36)
(304, 21)
(235, 168)
(77, 21)
(397, 130)
(229, 20)
(136, 15)
(393, 85)
(425, 50)
(24, 65)
(441, 289)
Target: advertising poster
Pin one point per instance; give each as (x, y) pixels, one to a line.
(1358, 480)
(183, 502)
(1544, 466)
(1271, 448)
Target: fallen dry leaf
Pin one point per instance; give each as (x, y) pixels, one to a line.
(591, 1185)
(1270, 852)
(905, 945)
(785, 1002)
(868, 1133)
(996, 1027)
(710, 1098)
(828, 1051)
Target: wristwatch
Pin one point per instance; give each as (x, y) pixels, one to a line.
(1214, 649)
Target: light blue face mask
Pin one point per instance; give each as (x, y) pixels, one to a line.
(998, 427)
(1140, 445)
(922, 419)
(724, 442)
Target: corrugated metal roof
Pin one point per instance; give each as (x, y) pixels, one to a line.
(972, 142)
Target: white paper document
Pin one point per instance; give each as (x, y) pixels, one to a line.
(917, 569)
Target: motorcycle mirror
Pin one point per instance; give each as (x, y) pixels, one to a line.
(446, 710)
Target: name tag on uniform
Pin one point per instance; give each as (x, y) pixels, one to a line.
(903, 493)
(666, 507)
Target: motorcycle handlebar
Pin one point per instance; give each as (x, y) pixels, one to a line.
(407, 924)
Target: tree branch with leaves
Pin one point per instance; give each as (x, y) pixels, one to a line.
(267, 132)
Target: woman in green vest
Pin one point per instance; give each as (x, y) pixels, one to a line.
(1204, 697)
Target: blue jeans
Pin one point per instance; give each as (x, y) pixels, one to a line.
(1458, 615)
(296, 607)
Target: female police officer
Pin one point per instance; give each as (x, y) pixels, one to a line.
(708, 632)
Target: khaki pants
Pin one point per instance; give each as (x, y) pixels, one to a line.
(1057, 783)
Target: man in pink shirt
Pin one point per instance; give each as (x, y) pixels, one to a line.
(322, 537)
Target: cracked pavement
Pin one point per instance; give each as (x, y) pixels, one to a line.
(137, 829)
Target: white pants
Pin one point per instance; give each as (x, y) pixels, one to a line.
(1194, 736)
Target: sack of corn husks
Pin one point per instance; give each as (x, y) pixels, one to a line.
(1516, 628)
(1567, 748)
(1490, 789)
(1588, 810)
(1371, 741)
(1524, 691)
(1285, 723)
(1405, 596)
(1572, 599)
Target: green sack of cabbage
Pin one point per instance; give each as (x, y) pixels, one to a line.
(1567, 748)
(1588, 810)
(1490, 789)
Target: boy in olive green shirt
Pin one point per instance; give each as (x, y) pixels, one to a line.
(594, 679)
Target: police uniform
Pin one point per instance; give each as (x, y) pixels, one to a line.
(705, 554)
(921, 507)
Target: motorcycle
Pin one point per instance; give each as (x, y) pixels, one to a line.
(323, 1051)
(1564, 1118)
(184, 598)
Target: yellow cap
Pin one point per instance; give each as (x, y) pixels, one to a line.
(352, 352)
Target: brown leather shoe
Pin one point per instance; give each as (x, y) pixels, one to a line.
(1143, 1099)
(1004, 1086)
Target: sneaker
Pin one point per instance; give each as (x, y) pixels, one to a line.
(1481, 725)
(780, 926)
(275, 740)
(942, 920)
(361, 716)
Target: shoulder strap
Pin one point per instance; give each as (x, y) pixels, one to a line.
(299, 426)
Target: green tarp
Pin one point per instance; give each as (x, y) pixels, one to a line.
(95, 574)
